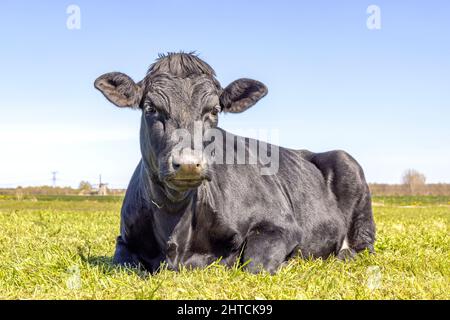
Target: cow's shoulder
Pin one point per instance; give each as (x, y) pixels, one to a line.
(133, 198)
(134, 211)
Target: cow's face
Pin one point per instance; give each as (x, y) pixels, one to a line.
(172, 107)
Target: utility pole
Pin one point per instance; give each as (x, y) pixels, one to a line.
(54, 178)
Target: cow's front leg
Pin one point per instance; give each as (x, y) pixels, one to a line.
(267, 248)
(123, 256)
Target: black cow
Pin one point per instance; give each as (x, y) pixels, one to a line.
(181, 210)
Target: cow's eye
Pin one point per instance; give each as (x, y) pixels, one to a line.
(149, 109)
(215, 111)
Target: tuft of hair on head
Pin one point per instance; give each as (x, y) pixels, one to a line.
(181, 64)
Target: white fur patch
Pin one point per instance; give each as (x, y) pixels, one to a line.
(345, 244)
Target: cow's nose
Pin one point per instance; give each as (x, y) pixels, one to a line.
(187, 164)
(187, 169)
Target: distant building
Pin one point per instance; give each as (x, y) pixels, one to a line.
(102, 189)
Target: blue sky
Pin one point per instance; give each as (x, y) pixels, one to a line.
(382, 95)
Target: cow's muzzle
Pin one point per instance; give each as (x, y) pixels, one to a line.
(188, 170)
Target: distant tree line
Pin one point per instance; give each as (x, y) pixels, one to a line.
(435, 189)
(413, 183)
(85, 188)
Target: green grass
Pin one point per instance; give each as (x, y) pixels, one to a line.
(61, 249)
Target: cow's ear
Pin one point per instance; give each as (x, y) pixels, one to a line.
(241, 94)
(120, 89)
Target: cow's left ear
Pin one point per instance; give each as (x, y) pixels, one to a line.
(119, 89)
(241, 94)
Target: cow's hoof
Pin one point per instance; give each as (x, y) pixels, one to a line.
(346, 254)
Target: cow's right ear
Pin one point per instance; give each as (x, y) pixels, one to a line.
(241, 94)
(120, 89)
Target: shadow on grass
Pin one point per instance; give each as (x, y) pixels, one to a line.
(105, 265)
(104, 262)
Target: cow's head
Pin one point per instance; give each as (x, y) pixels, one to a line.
(180, 90)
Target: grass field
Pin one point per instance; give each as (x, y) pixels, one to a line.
(61, 248)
